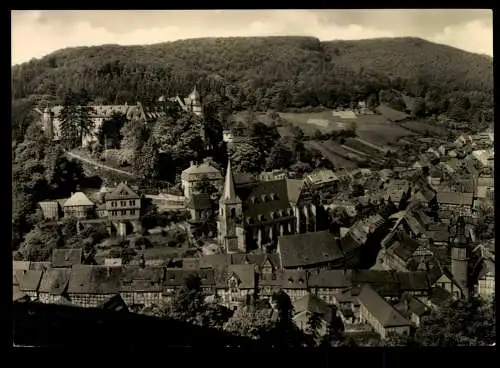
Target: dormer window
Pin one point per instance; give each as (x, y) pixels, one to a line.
(274, 197)
(264, 198)
(301, 281)
(262, 218)
(254, 200)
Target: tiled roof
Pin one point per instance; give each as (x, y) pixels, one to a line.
(385, 282)
(216, 261)
(294, 188)
(293, 279)
(136, 278)
(329, 279)
(404, 249)
(122, 191)
(78, 199)
(380, 309)
(322, 176)
(455, 198)
(40, 266)
(312, 304)
(296, 250)
(86, 279)
(245, 273)
(413, 281)
(49, 207)
(30, 280)
(55, 281)
(177, 277)
(66, 257)
(20, 265)
(194, 171)
(411, 304)
(254, 204)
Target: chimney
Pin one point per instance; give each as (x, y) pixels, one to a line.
(109, 271)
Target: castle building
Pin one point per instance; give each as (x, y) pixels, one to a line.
(51, 121)
(253, 215)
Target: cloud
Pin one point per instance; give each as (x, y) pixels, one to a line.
(475, 36)
(38, 33)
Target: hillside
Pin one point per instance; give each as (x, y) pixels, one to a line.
(262, 72)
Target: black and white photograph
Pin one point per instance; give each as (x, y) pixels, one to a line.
(253, 178)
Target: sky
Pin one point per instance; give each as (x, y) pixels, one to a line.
(36, 33)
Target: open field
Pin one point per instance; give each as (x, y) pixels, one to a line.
(421, 127)
(338, 157)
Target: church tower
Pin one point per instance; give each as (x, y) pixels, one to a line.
(459, 257)
(231, 235)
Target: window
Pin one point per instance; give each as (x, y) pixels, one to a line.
(113, 204)
(131, 203)
(123, 203)
(123, 212)
(233, 213)
(132, 212)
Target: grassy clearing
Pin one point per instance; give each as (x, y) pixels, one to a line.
(422, 127)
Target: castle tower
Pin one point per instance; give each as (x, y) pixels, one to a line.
(48, 123)
(230, 228)
(459, 257)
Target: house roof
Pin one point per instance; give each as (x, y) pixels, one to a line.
(439, 296)
(294, 188)
(55, 281)
(295, 250)
(380, 309)
(122, 191)
(20, 265)
(404, 248)
(413, 281)
(455, 198)
(245, 273)
(411, 304)
(384, 282)
(40, 266)
(177, 276)
(195, 171)
(329, 279)
(293, 279)
(66, 257)
(78, 199)
(256, 259)
(312, 304)
(114, 303)
(136, 278)
(216, 261)
(49, 207)
(322, 176)
(87, 279)
(199, 201)
(257, 199)
(29, 280)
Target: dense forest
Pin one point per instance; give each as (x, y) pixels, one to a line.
(264, 72)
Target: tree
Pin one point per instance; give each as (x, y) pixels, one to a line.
(147, 164)
(40, 242)
(188, 302)
(75, 118)
(205, 186)
(109, 134)
(62, 174)
(22, 116)
(250, 321)
(314, 324)
(246, 157)
(280, 157)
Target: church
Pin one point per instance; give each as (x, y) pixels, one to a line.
(252, 215)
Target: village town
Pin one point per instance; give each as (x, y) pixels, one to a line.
(413, 245)
(293, 186)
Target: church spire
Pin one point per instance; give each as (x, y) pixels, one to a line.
(460, 235)
(229, 194)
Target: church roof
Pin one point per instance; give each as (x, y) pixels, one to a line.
(229, 195)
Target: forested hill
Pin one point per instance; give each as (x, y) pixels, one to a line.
(262, 72)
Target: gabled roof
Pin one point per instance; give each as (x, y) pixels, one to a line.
(254, 205)
(215, 261)
(66, 257)
(294, 188)
(413, 281)
(404, 249)
(78, 199)
(194, 171)
(30, 280)
(411, 304)
(329, 279)
(296, 250)
(86, 279)
(310, 303)
(55, 281)
(380, 309)
(122, 191)
(245, 274)
(322, 176)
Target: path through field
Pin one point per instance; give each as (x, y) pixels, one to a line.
(98, 164)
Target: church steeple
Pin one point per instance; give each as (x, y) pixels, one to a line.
(229, 194)
(460, 240)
